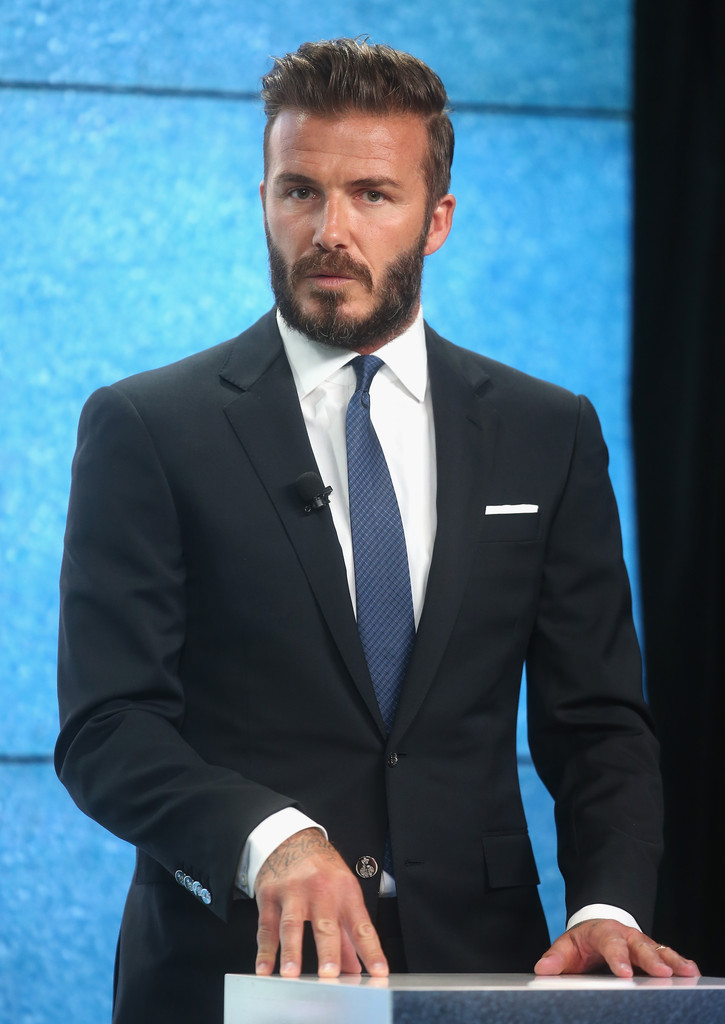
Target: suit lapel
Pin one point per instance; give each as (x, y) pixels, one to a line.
(465, 429)
(266, 417)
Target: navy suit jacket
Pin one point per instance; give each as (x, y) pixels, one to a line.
(211, 671)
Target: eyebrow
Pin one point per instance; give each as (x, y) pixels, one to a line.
(374, 184)
(287, 178)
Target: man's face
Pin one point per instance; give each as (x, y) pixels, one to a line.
(345, 215)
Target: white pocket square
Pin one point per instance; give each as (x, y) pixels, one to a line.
(510, 510)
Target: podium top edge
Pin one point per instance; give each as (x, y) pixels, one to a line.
(499, 982)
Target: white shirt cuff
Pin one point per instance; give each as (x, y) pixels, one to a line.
(265, 838)
(594, 910)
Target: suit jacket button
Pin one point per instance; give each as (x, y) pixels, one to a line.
(392, 760)
(179, 876)
(205, 896)
(189, 882)
(367, 867)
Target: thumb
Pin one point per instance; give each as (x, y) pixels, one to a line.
(552, 962)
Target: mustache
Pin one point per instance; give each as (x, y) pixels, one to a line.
(333, 263)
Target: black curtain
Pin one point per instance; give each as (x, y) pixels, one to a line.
(678, 406)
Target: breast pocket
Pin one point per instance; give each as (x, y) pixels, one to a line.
(515, 526)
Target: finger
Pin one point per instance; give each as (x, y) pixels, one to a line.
(364, 940)
(291, 928)
(681, 966)
(328, 943)
(616, 953)
(566, 956)
(663, 962)
(267, 938)
(551, 963)
(646, 955)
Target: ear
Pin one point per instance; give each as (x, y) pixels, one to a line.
(261, 191)
(440, 224)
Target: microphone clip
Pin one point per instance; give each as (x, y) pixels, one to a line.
(318, 501)
(313, 492)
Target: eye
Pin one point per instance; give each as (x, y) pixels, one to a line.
(301, 192)
(373, 197)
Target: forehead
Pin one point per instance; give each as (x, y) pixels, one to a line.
(374, 143)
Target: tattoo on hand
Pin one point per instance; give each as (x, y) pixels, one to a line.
(293, 850)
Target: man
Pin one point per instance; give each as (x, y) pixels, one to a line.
(221, 707)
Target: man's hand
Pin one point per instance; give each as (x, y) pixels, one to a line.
(593, 944)
(305, 879)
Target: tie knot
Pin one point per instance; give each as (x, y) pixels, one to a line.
(365, 368)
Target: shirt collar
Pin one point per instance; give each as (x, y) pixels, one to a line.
(312, 362)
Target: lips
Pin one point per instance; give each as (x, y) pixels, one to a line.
(331, 279)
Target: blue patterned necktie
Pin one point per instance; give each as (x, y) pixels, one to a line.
(382, 580)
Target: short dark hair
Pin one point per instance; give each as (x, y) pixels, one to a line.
(340, 75)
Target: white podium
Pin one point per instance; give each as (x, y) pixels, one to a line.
(473, 999)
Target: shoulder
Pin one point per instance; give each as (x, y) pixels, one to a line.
(507, 388)
(207, 378)
(205, 368)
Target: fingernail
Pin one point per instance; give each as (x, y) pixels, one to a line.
(328, 967)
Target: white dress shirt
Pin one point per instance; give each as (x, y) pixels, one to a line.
(402, 414)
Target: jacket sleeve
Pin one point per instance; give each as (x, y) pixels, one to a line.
(589, 729)
(121, 751)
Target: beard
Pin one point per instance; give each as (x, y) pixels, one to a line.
(396, 297)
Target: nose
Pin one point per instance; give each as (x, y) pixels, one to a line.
(333, 228)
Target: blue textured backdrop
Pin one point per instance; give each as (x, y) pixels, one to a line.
(131, 235)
